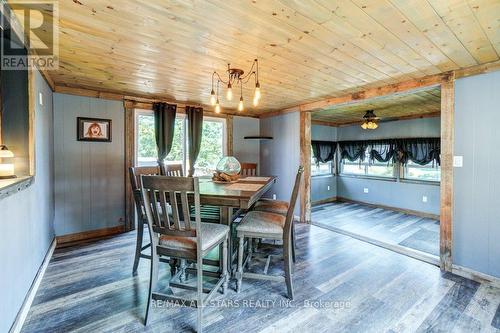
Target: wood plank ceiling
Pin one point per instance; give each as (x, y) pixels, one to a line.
(422, 103)
(308, 49)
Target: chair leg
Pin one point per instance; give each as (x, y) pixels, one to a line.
(199, 291)
(250, 249)
(224, 267)
(293, 243)
(287, 256)
(138, 246)
(240, 263)
(153, 280)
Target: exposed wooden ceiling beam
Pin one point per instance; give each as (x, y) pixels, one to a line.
(141, 102)
(402, 87)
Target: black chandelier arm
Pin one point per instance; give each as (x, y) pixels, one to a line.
(251, 71)
(248, 77)
(218, 78)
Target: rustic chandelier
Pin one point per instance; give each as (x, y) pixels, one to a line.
(370, 120)
(235, 77)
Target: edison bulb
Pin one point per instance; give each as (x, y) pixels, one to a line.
(257, 93)
(255, 101)
(217, 107)
(229, 93)
(212, 100)
(240, 104)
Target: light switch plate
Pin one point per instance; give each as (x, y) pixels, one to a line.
(40, 98)
(458, 161)
(274, 196)
(365, 190)
(424, 198)
(328, 187)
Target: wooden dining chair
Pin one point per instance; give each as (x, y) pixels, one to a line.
(266, 225)
(248, 169)
(174, 170)
(186, 238)
(135, 174)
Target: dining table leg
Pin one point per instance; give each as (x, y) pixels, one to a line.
(226, 218)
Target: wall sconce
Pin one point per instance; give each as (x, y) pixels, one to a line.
(6, 163)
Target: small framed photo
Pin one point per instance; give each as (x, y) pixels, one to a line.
(93, 129)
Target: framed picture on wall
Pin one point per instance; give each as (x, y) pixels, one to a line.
(93, 129)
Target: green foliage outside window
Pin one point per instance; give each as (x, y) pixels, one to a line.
(212, 144)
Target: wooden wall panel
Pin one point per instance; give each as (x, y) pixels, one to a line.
(89, 176)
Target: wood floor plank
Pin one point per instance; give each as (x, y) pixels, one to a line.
(341, 284)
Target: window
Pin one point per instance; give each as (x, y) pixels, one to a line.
(422, 172)
(320, 169)
(365, 168)
(213, 143)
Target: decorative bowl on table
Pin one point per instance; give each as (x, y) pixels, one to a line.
(227, 171)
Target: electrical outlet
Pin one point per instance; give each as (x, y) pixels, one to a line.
(328, 187)
(424, 198)
(365, 190)
(458, 161)
(40, 98)
(274, 196)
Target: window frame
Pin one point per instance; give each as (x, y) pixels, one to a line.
(405, 178)
(185, 153)
(332, 165)
(365, 164)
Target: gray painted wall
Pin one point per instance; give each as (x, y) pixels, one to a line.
(281, 156)
(415, 128)
(319, 184)
(403, 195)
(89, 189)
(476, 225)
(27, 218)
(246, 150)
(390, 193)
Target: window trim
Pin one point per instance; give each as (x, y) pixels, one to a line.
(183, 116)
(404, 178)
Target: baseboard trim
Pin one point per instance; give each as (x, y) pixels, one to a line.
(72, 239)
(30, 296)
(475, 275)
(415, 254)
(402, 210)
(324, 201)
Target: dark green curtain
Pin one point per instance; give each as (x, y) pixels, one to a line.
(195, 133)
(164, 115)
(323, 151)
(382, 150)
(421, 151)
(352, 150)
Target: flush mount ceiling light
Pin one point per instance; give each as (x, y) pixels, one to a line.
(235, 77)
(370, 120)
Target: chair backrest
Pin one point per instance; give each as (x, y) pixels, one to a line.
(135, 174)
(248, 169)
(293, 200)
(162, 194)
(174, 170)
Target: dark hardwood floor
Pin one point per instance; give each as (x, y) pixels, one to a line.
(341, 285)
(388, 226)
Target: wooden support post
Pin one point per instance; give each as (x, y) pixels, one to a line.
(129, 162)
(447, 139)
(305, 161)
(229, 135)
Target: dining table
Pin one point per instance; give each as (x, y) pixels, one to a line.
(234, 198)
